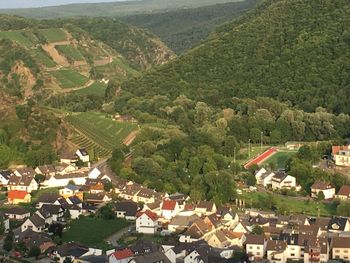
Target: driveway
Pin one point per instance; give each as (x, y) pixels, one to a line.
(113, 239)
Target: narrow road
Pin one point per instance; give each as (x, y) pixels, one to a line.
(113, 239)
(87, 84)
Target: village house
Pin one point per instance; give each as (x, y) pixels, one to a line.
(25, 172)
(46, 170)
(62, 180)
(147, 222)
(338, 224)
(71, 190)
(341, 155)
(146, 195)
(341, 248)
(22, 183)
(65, 169)
(5, 222)
(35, 223)
(4, 177)
(219, 240)
(121, 256)
(51, 213)
(343, 193)
(16, 213)
(93, 186)
(316, 250)
(126, 210)
(16, 197)
(34, 239)
(255, 246)
(325, 187)
(68, 157)
(97, 199)
(74, 251)
(169, 209)
(282, 181)
(275, 250)
(48, 198)
(83, 155)
(263, 177)
(205, 208)
(180, 223)
(154, 257)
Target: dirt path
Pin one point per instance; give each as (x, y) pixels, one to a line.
(87, 84)
(60, 60)
(130, 138)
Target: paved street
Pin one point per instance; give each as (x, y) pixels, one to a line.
(113, 239)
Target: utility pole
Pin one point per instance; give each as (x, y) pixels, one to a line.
(234, 155)
(261, 140)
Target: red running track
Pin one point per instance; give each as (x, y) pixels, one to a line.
(261, 157)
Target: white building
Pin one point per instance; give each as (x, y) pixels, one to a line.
(255, 246)
(169, 209)
(121, 256)
(326, 188)
(83, 155)
(61, 180)
(147, 223)
(283, 181)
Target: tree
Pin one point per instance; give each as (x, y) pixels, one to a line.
(108, 186)
(8, 242)
(106, 212)
(34, 252)
(320, 196)
(257, 230)
(343, 209)
(250, 180)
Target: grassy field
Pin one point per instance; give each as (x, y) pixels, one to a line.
(54, 35)
(68, 78)
(291, 204)
(70, 52)
(92, 231)
(254, 151)
(95, 89)
(16, 36)
(280, 159)
(43, 58)
(98, 132)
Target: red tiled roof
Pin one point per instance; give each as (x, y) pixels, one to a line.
(344, 191)
(168, 205)
(149, 213)
(17, 194)
(123, 254)
(336, 149)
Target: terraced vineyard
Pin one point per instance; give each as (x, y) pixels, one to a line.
(98, 132)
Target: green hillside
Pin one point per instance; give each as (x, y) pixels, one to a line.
(181, 29)
(294, 50)
(112, 9)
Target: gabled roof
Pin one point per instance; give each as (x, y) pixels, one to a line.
(6, 174)
(183, 220)
(37, 220)
(344, 191)
(129, 207)
(148, 213)
(47, 169)
(208, 206)
(255, 239)
(49, 198)
(50, 209)
(337, 223)
(321, 185)
(25, 180)
(27, 171)
(152, 257)
(341, 242)
(72, 187)
(72, 249)
(169, 205)
(16, 210)
(83, 152)
(123, 254)
(276, 245)
(16, 194)
(70, 176)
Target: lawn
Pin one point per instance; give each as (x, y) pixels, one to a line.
(43, 58)
(96, 88)
(54, 35)
(70, 52)
(291, 204)
(69, 78)
(92, 231)
(100, 129)
(16, 36)
(36, 194)
(280, 159)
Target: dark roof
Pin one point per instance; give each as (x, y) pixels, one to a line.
(71, 175)
(276, 245)
(152, 258)
(130, 208)
(47, 169)
(50, 209)
(72, 249)
(255, 239)
(206, 204)
(16, 211)
(48, 198)
(279, 176)
(6, 174)
(27, 171)
(24, 180)
(341, 242)
(83, 152)
(321, 185)
(144, 246)
(95, 259)
(37, 220)
(74, 200)
(344, 191)
(337, 223)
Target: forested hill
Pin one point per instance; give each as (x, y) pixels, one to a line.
(293, 50)
(182, 29)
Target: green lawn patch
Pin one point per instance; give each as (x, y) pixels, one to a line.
(36, 194)
(92, 231)
(54, 35)
(96, 88)
(43, 58)
(100, 129)
(280, 159)
(70, 52)
(290, 204)
(69, 78)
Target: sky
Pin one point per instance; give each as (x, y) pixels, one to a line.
(7, 4)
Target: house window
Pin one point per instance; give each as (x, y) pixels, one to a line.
(337, 251)
(250, 247)
(292, 255)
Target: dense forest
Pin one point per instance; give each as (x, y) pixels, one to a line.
(295, 51)
(182, 29)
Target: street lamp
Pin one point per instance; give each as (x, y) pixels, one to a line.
(249, 148)
(261, 140)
